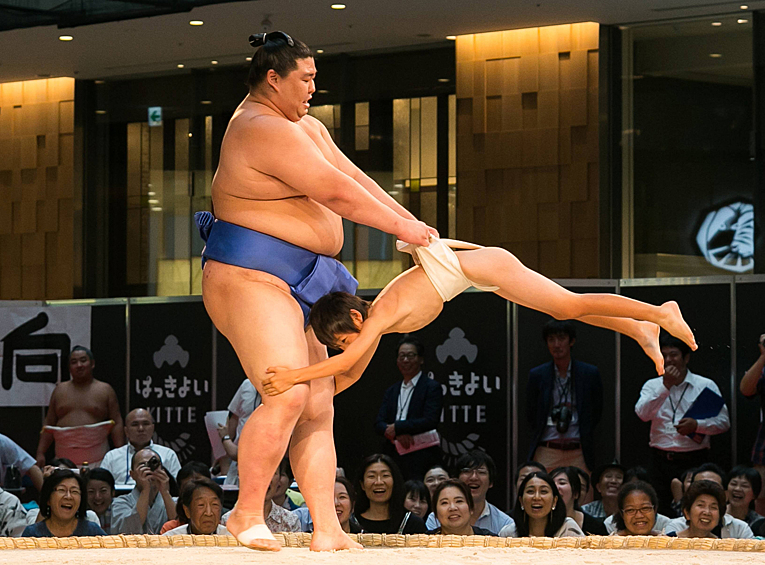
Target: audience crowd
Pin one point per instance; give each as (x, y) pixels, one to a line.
(681, 493)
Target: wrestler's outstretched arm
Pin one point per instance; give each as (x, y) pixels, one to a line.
(350, 168)
(349, 365)
(285, 151)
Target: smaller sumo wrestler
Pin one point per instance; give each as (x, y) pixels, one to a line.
(415, 298)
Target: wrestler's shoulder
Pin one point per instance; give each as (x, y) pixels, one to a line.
(261, 124)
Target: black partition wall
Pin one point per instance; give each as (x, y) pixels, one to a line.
(166, 354)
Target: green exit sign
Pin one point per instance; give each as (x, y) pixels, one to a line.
(155, 116)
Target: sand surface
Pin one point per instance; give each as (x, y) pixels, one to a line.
(382, 556)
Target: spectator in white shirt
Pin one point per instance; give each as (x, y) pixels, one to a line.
(13, 515)
(242, 405)
(663, 402)
(139, 430)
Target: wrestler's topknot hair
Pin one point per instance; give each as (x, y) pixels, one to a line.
(331, 315)
(276, 54)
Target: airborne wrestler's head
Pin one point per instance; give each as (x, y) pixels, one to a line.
(337, 318)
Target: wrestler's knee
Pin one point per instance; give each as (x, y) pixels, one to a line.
(294, 401)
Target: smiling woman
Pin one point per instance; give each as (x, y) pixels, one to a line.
(380, 506)
(63, 502)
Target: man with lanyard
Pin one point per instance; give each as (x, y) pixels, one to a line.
(139, 429)
(677, 443)
(410, 407)
(564, 403)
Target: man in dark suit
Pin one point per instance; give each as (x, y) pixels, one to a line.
(564, 403)
(410, 407)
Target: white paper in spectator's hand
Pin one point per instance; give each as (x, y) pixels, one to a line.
(212, 419)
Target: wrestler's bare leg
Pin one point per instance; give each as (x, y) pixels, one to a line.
(265, 326)
(493, 266)
(313, 458)
(645, 333)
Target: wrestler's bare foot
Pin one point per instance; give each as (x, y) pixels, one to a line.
(251, 531)
(332, 541)
(672, 321)
(647, 336)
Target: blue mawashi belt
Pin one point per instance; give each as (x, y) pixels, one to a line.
(309, 275)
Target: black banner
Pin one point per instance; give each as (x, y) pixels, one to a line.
(171, 373)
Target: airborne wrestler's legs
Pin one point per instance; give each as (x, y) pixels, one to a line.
(264, 324)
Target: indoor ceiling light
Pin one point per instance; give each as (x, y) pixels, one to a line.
(196, 23)
(443, 80)
(65, 37)
(715, 55)
(338, 6)
(741, 21)
(248, 58)
(180, 65)
(320, 51)
(322, 91)
(153, 201)
(744, 7)
(205, 101)
(717, 24)
(213, 62)
(191, 134)
(100, 111)
(451, 37)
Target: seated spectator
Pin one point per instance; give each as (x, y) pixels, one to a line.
(524, 470)
(569, 489)
(678, 487)
(139, 429)
(434, 477)
(539, 512)
(345, 502)
(585, 495)
(13, 515)
(638, 504)
(380, 505)
(743, 488)
(11, 455)
(191, 470)
(477, 470)
(454, 508)
(100, 488)
(703, 508)
(33, 514)
(731, 527)
(607, 481)
(638, 473)
(149, 505)
(199, 509)
(63, 503)
(285, 496)
(417, 499)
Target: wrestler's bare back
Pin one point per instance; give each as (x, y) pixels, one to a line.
(80, 405)
(407, 303)
(244, 195)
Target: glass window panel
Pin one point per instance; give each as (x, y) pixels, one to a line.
(429, 207)
(362, 138)
(688, 117)
(429, 137)
(452, 135)
(414, 136)
(401, 114)
(362, 114)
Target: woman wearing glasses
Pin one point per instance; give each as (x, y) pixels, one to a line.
(637, 510)
(63, 502)
(410, 407)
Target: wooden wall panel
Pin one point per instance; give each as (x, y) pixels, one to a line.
(36, 189)
(527, 145)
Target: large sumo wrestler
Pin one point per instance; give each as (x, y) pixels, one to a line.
(279, 193)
